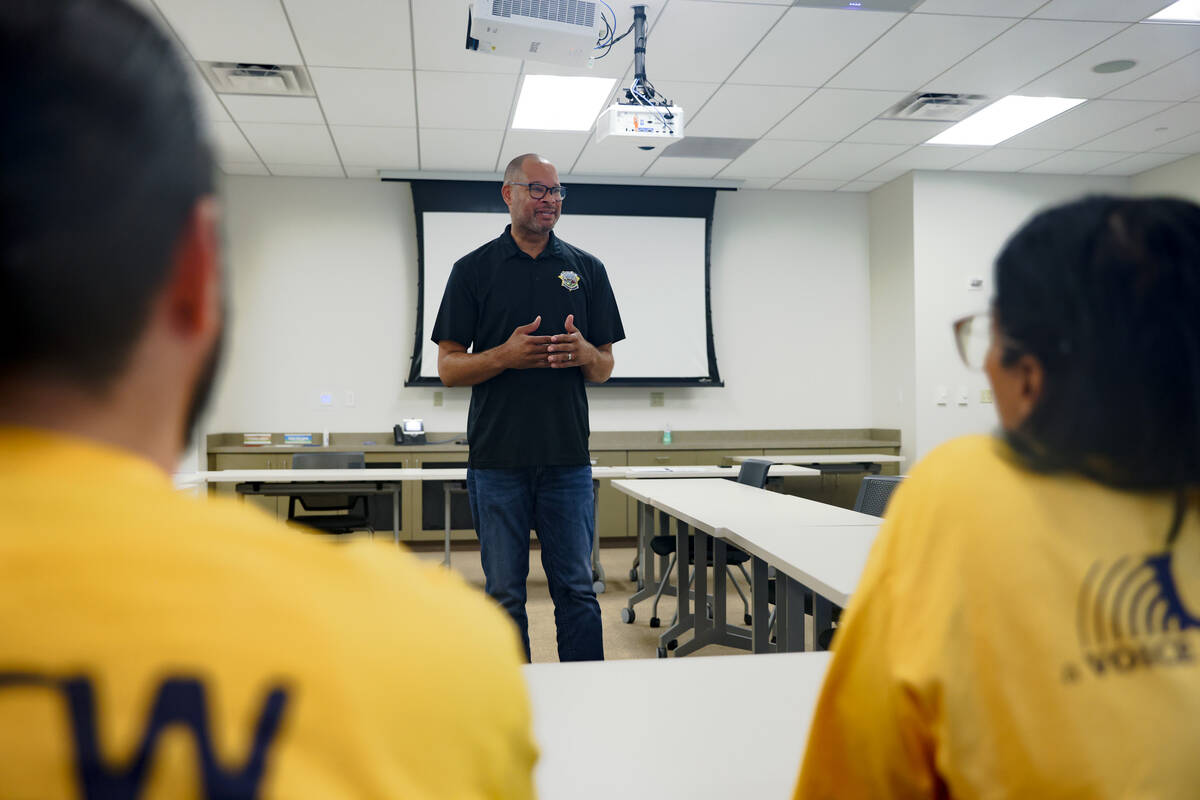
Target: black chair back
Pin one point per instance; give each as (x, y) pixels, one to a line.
(327, 502)
(874, 493)
(754, 472)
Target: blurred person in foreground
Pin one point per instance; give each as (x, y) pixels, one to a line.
(153, 644)
(1028, 623)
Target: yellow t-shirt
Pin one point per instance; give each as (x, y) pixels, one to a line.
(193, 648)
(1015, 635)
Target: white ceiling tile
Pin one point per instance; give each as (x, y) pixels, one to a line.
(465, 101)
(440, 35)
(561, 148)
(1002, 159)
(246, 168)
(292, 144)
(689, 96)
(830, 115)
(860, 186)
(1075, 162)
(809, 45)
(758, 183)
(1175, 82)
(353, 33)
(254, 31)
(1114, 10)
(1138, 163)
(377, 148)
(917, 49)
(366, 96)
(704, 41)
(258, 108)
(686, 167)
(773, 158)
(306, 170)
(848, 160)
(1151, 46)
(980, 8)
(229, 144)
(1083, 123)
(798, 185)
(1020, 54)
(459, 150)
(895, 131)
(362, 172)
(1156, 132)
(745, 112)
(613, 157)
(929, 156)
(1188, 144)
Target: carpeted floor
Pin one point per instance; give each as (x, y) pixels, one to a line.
(637, 640)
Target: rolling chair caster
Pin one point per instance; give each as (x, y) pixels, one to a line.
(633, 574)
(671, 645)
(655, 622)
(598, 587)
(628, 616)
(749, 620)
(662, 652)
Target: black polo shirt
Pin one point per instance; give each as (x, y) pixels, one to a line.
(527, 417)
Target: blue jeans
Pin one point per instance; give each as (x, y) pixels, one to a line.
(558, 504)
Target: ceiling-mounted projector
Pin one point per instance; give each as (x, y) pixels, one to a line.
(642, 124)
(557, 31)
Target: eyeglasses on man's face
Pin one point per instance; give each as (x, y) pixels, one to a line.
(539, 190)
(973, 335)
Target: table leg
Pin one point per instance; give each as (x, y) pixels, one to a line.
(822, 618)
(396, 516)
(789, 614)
(645, 588)
(718, 631)
(684, 622)
(446, 488)
(761, 632)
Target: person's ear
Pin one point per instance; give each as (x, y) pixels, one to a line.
(193, 295)
(506, 194)
(1031, 378)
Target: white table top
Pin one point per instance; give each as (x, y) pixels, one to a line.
(635, 729)
(454, 474)
(822, 546)
(831, 458)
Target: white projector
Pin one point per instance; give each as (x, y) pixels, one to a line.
(639, 123)
(558, 31)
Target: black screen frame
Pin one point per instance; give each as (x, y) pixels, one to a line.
(586, 198)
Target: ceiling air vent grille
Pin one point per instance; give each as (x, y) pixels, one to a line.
(936, 107)
(571, 12)
(268, 79)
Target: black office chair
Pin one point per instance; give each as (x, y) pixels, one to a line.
(337, 513)
(753, 473)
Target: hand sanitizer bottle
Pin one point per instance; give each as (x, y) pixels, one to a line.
(667, 434)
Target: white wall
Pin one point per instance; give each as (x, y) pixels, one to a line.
(893, 333)
(323, 280)
(961, 220)
(1180, 178)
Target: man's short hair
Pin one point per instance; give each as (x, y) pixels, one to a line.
(101, 162)
(515, 171)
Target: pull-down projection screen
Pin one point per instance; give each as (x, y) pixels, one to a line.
(654, 242)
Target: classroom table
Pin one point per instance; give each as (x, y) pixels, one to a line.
(832, 463)
(764, 521)
(651, 729)
(282, 482)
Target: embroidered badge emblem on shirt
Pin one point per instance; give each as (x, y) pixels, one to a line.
(570, 280)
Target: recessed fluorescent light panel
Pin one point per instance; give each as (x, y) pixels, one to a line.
(1004, 119)
(1182, 11)
(556, 103)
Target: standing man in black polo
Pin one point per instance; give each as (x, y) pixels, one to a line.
(540, 319)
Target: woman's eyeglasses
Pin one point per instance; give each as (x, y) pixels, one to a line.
(973, 335)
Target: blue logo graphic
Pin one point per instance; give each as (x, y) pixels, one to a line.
(1132, 598)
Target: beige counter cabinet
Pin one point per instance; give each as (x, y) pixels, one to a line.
(276, 506)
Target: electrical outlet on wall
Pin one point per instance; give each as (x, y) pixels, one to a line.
(437, 398)
(350, 398)
(657, 399)
(985, 396)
